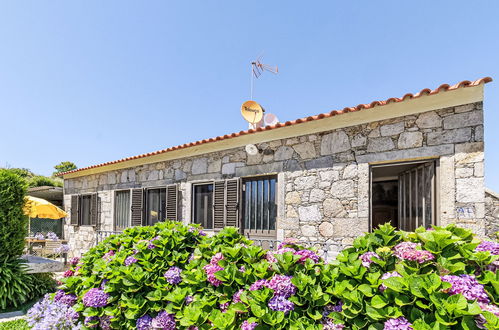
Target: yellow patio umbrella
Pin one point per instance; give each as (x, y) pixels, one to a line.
(40, 208)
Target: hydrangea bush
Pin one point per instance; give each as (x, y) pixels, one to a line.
(171, 276)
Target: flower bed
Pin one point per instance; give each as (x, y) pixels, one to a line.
(170, 276)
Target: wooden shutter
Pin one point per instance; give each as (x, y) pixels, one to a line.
(172, 202)
(94, 210)
(232, 202)
(219, 204)
(137, 206)
(75, 199)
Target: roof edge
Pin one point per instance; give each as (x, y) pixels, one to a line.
(424, 92)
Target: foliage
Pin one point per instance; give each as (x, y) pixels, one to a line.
(169, 275)
(40, 180)
(17, 287)
(13, 222)
(19, 324)
(64, 167)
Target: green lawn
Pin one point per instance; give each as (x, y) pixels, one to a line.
(16, 324)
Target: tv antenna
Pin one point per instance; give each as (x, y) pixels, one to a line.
(257, 68)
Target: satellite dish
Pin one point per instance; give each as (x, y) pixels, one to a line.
(252, 112)
(270, 119)
(251, 149)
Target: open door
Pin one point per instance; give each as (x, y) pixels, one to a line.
(403, 194)
(417, 197)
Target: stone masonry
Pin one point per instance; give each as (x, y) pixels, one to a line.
(323, 179)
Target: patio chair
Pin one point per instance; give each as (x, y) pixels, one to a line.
(50, 248)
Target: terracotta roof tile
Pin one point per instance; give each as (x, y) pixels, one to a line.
(426, 91)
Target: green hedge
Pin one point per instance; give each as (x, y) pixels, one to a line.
(13, 223)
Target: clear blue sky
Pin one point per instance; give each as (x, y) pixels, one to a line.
(95, 81)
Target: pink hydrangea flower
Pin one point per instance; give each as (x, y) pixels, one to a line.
(366, 258)
(412, 251)
(382, 287)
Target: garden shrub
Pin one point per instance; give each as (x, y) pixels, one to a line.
(170, 276)
(16, 287)
(13, 222)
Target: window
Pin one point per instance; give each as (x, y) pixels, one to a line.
(248, 204)
(203, 205)
(259, 206)
(155, 206)
(404, 195)
(122, 209)
(151, 205)
(84, 210)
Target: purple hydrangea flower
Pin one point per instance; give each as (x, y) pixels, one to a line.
(236, 298)
(202, 233)
(270, 256)
(242, 269)
(130, 260)
(400, 323)
(224, 307)
(51, 314)
(144, 322)
(68, 273)
(67, 299)
(411, 251)
(328, 324)
(366, 258)
(492, 247)
(282, 286)
(95, 298)
(39, 236)
(74, 261)
(189, 299)
(108, 256)
(91, 321)
(383, 287)
(164, 321)
(307, 254)
(151, 245)
(287, 241)
(258, 285)
(64, 248)
(172, 275)
(280, 303)
(248, 326)
(489, 308)
(103, 283)
(105, 322)
(192, 229)
(468, 286)
(213, 267)
(53, 236)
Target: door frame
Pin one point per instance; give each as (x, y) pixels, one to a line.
(436, 202)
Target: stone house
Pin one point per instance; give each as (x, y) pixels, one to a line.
(414, 161)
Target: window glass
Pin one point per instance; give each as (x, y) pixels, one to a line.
(155, 206)
(259, 204)
(85, 210)
(203, 205)
(122, 209)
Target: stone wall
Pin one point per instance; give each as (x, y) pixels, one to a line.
(491, 214)
(323, 182)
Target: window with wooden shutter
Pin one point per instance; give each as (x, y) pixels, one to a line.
(219, 204)
(137, 207)
(172, 202)
(74, 209)
(232, 187)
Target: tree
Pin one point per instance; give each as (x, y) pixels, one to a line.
(64, 167)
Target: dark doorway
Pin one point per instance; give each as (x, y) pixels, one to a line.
(403, 194)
